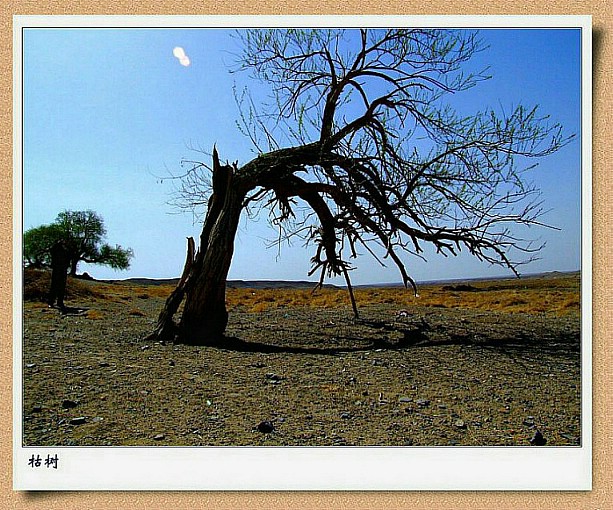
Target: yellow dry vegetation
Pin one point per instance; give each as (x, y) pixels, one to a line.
(559, 296)
(94, 314)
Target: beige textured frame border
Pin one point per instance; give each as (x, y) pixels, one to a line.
(599, 497)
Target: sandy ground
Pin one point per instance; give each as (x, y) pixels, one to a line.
(301, 376)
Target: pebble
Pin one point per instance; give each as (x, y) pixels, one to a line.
(274, 378)
(265, 427)
(570, 437)
(405, 400)
(345, 416)
(159, 437)
(460, 424)
(538, 439)
(422, 402)
(69, 404)
(529, 421)
(78, 421)
(37, 409)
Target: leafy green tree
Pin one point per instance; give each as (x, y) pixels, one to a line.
(84, 233)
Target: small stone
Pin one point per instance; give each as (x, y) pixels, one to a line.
(69, 404)
(97, 419)
(422, 402)
(405, 400)
(144, 347)
(273, 377)
(37, 409)
(171, 363)
(538, 439)
(265, 427)
(570, 437)
(104, 364)
(460, 424)
(529, 421)
(159, 437)
(78, 421)
(30, 365)
(346, 416)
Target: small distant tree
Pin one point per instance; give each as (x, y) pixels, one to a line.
(358, 146)
(84, 233)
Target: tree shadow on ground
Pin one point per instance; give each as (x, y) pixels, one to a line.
(71, 310)
(418, 335)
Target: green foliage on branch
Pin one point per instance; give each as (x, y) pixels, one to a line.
(84, 233)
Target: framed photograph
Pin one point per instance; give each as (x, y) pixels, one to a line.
(386, 283)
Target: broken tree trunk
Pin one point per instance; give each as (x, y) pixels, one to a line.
(166, 329)
(205, 316)
(203, 284)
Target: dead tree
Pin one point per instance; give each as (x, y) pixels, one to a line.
(361, 151)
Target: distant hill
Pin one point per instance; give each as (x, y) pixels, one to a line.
(232, 284)
(303, 284)
(549, 274)
(275, 284)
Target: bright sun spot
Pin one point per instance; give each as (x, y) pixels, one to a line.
(180, 54)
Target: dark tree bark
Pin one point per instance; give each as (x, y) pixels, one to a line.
(166, 329)
(205, 316)
(203, 283)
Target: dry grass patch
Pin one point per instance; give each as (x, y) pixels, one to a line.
(558, 296)
(94, 314)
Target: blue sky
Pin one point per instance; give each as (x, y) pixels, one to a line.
(107, 112)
